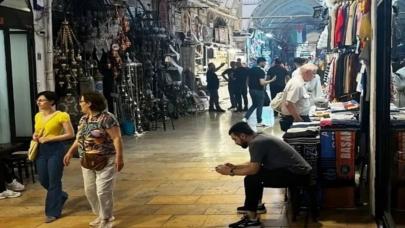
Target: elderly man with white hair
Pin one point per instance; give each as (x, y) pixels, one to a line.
(296, 105)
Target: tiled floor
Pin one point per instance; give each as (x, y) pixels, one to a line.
(169, 181)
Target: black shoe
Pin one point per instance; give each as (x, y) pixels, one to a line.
(211, 110)
(245, 222)
(232, 107)
(238, 110)
(245, 109)
(220, 110)
(261, 209)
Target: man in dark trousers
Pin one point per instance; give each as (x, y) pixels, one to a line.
(257, 83)
(280, 74)
(273, 163)
(213, 86)
(241, 75)
(230, 73)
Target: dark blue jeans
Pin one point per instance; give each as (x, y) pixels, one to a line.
(50, 170)
(257, 103)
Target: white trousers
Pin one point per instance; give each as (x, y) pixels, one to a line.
(98, 187)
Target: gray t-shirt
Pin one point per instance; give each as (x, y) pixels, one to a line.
(273, 153)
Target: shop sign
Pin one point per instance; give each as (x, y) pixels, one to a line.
(1, 20)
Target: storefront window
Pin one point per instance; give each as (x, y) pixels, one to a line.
(4, 112)
(21, 84)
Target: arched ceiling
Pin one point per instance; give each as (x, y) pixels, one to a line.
(293, 8)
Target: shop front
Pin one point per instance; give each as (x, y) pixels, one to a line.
(17, 72)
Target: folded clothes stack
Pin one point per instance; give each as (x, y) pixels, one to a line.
(340, 120)
(344, 106)
(304, 137)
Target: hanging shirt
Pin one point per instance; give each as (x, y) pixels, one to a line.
(340, 22)
(359, 16)
(333, 18)
(350, 24)
(366, 31)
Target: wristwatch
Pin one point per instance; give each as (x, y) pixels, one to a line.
(231, 173)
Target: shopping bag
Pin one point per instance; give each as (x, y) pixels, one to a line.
(277, 102)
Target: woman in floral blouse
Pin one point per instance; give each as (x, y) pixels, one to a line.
(99, 144)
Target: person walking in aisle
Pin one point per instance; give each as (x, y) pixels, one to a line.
(101, 154)
(52, 128)
(257, 83)
(241, 75)
(273, 163)
(213, 86)
(230, 73)
(297, 105)
(280, 74)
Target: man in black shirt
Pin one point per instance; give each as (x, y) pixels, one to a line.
(273, 163)
(230, 72)
(257, 83)
(241, 75)
(280, 74)
(213, 86)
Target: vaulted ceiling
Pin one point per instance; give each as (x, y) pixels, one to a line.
(297, 12)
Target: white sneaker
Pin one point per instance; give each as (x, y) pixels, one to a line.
(105, 224)
(97, 221)
(9, 194)
(260, 125)
(244, 120)
(15, 186)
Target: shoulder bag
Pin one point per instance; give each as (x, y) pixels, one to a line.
(277, 103)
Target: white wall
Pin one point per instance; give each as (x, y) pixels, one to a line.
(40, 27)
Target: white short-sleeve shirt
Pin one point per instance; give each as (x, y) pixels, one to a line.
(297, 93)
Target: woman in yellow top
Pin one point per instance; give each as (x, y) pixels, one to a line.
(55, 127)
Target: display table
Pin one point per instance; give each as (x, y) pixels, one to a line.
(330, 145)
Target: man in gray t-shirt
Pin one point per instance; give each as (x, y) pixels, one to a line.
(273, 163)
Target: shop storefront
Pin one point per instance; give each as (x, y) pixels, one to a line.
(17, 71)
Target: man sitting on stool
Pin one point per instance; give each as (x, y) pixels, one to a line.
(273, 163)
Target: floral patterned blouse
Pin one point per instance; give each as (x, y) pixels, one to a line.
(92, 135)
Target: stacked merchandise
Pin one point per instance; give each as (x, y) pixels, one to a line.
(304, 137)
(337, 159)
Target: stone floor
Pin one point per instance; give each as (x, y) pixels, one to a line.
(169, 181)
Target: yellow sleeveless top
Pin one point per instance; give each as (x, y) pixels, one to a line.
(54, 126)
